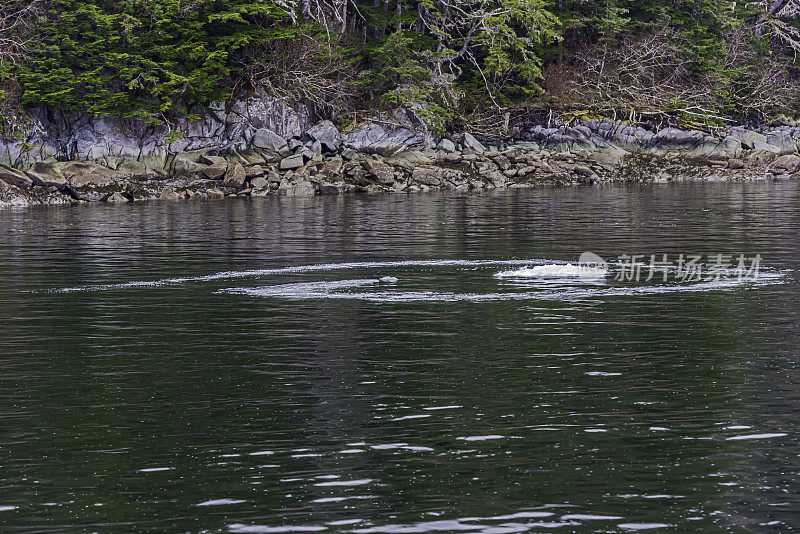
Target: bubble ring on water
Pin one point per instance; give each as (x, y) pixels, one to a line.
(318, 267)
(338, 290)
(375, 289)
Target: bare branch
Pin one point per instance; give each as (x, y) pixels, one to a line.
(16, 21)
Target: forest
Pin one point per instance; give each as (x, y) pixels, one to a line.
(689, 61)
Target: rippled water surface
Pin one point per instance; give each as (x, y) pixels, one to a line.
(369, 365)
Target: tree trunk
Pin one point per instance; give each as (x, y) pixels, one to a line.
(378, 27)
(561, 44)
(399, 13)
(776, 8)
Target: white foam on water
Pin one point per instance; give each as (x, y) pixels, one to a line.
(263, 529)
(359, 482)
(320, 267)
(481, 438)
(642, 526)
(155, 469)
(407, 417)
(657, 496)
(589, 517)
(518, 515)
(388, 446)
(220, 502)
(386, 289)
(555, 271)
(336, 290)
(757, 436)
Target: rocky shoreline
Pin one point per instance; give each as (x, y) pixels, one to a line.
(260, 146)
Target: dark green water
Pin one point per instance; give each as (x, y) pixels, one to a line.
(429, 404)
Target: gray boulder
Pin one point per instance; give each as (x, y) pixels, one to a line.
(215, 172)
(714, 151)
(296, 188)
(91, 182)
(787, 164)
(379, 171)
(47, 174)
(579, 132)
(676, 137)
(628, 141)
(217, 167)
(411, 158)
(434, 176)
(427, 175)
(117, 198)
(260, 186)
(253, 171)
(184, 166)
(446, 145)
(171, 195)
(327, 135)
(540, 133)
(266, 139)
(472, 145)
(15, 177)
(292, 162)
(736, 163)
(11, 195)
(498, 179)
(332, 188)
(260, 182)
(749, 139)
(783, 142)
(212, 160)
(333, 166)
(139, 169)
(384, 140)
(307, 154)
(236, 176)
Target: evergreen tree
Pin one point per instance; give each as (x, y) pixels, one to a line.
(156, 58)
(142, 57)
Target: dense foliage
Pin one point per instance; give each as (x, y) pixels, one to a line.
(690, 60)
